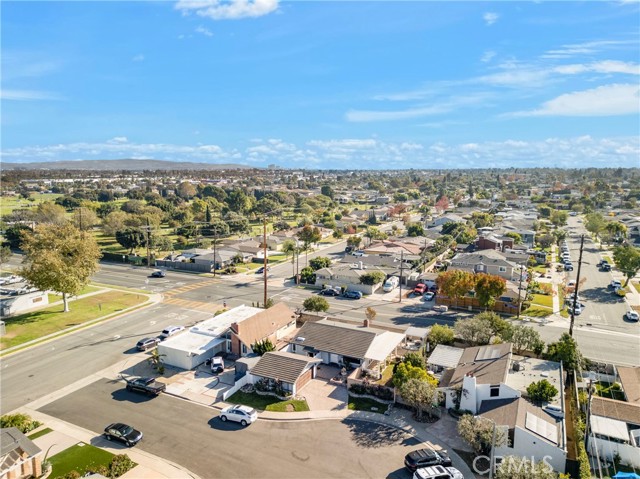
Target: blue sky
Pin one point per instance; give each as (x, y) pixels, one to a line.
(369, 85)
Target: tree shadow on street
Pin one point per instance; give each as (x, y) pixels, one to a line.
(372, 435)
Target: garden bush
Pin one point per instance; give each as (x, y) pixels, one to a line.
(23, 422)
(375, 390)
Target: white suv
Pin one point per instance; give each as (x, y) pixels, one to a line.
(437, 472)
(242, 414)
(170, 331)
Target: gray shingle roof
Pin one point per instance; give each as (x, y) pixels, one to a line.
(287, 367)
(11, 439)
(343, 340)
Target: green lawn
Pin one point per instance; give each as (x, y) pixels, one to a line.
(42, 432)
(34, 325)
(543, 300)
(537, 311)
(387, 374)
(82, 458)
(267, 403)
(86, 290)
(366, 404)
(10, 203)
(636, 286)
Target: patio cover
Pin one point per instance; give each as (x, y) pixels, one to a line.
(626, 475)
(383, 345)
(610, 428)
(417, 332)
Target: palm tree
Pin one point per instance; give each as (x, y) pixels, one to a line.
(156, 360)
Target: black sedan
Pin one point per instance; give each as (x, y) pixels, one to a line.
(329, 292)
(158, 274)
(352, 294)
(123, 433)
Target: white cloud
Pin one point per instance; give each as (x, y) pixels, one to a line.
(138, 58)
(487, 56)
(28, 95)
(490, 18)
(606, 100)
(204, 31)
(118, 140)
(605, 66)
(586, 48)
(227, 10)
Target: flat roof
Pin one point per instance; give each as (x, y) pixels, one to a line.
(534, 370)
(189, 342)
(445, 356)
(219, 324)
(606, 426)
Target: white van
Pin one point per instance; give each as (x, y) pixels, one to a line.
(390, 284)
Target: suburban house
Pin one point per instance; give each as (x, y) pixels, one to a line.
(346, 345)
(615, 429)
(444, 219)
(496, 242)
(271, 324)
(490, 381)
(19, 456)
(394, 248)
(222, 258)
(293, 371)
(347, 275)
(17, 300)
(487, 261)
(227, 333)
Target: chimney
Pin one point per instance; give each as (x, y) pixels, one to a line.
(235, 327)
(365, 323)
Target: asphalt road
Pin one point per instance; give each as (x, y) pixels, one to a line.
(193, 435)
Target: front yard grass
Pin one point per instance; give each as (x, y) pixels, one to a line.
(366, 404)
(81, 458)
(268, 403)
(58, 297)
(36, 324)
(42, 432)
(542, 300)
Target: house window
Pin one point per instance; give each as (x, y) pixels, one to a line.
(244, 348)
(480, 267)
(494, 391)
(502, 269)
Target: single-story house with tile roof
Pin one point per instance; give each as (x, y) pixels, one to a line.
(615, 427)
(346, 344)
(273, 324)
(444, 219)
(294, 371)
(19, 456)
(486, 261)
(347, 275)
(532, 431)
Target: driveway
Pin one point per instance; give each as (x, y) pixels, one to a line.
(324, 393)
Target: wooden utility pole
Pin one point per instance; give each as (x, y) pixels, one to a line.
(264, 263)
(519, 291)
(401, 270)
(575, 291)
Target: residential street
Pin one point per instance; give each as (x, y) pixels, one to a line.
(192, 435)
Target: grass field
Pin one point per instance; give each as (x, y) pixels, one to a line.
(366, 404)
(81, 458)
(58, 297)
(10, 203)
(542, 300)
(268, 403)
(36, 324)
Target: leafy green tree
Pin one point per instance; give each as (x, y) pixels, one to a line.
(264, 346)
(565, 350)
(50, 213)
(326, 190)
(488, 287)
(478, 432)
(354, 241)
(60, 258)
(627, 260)
(474, 330)
(307, 275)
(523, 338)
(186, 190)
(14, 234)
(288, 247)
(130, 238)
(84, 218)
(541, 391)
(372, 277)
(441, 334)
(308, 235)
(319, 263)
(594, 223)
(317, 304)
(406, 371)
(517, 239)
(415, 229)
(455, 283)
(421, 395)
(559, 235)
(5, 254)
(559, 218)
(415, 359)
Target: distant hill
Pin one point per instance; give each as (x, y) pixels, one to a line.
(131, 165)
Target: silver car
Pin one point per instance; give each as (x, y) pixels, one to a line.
(242, 414)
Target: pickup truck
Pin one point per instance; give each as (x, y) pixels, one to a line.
(145, 385)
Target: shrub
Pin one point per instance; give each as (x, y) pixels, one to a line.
(22, 422)
(375, 390)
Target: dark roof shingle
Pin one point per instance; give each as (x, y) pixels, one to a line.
(333, 338)
(287, 367)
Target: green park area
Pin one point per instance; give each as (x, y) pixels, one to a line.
(37, 324)
(10, 203)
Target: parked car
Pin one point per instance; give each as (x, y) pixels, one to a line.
(426, 457)
(11, 279)
(147, 343)
(429, 295)
(242, 414)
(123, 433)
(442, 308)
(605, 267)
(568, 267)
(348, 249)
(217, 365)
(571, 283)
(390, 284)
(420, 288)
(158, 274)
(632, 316)
(170, 331)
(260, 270)
(145, 385)
(329, 292)
(437, 472)
(353, 294)
(615, 284)
(577, 311)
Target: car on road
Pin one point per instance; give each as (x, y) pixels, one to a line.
(329, 292)
(442, 308)
(420, 288)
(359, 253)
(577, 311)
(147, 343)
(568, 267)
(571, 283)
(429, 295)
(605, 267)
(353, 294)
(158, 274)
(632, 316)
(145, 385)
(260, 270)
(426, 457)
(123, 433)
(615, 284)
(170, 331)
(437, 472)
(242, 414)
